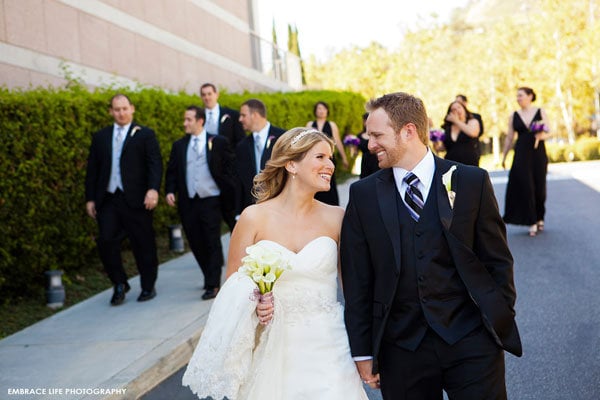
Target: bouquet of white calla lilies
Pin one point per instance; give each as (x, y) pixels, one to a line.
(264, 266)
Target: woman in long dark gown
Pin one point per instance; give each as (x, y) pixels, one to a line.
(461, 140)
(330, 128)
(526, 188)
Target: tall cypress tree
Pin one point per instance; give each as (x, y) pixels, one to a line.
(294, 48)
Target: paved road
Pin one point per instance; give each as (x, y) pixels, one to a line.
(557, 275)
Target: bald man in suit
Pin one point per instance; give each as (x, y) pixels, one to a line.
(123, 177)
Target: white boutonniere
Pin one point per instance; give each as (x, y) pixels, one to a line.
(210, 140)
(224, 117)
(269, 141)
(135, 129)
(447, 182)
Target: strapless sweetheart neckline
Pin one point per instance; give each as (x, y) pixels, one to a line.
(304, 247)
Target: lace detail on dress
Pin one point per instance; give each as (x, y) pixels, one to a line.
(221, 361)
(301, 304)
(268, 356)
(216, 381)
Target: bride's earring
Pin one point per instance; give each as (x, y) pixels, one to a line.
(294, 175)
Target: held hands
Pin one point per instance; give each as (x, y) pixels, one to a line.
(365, 369)
(265, 308)
(151, 199)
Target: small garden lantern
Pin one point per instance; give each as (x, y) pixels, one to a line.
(55, 291)
(175, 238)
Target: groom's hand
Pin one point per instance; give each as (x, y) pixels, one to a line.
(365, 370)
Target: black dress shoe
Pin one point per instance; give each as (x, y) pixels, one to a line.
(119, 291)
(147, 295)
(210, 293)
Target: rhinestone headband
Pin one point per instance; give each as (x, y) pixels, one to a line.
(302, 134)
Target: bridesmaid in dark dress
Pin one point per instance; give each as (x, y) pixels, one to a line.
(461, 140)
(526, 188)
(321, 113)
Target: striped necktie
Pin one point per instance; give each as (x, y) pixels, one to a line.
(413, 197)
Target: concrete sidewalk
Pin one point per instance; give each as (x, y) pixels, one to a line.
(92, 346)
(94, 351)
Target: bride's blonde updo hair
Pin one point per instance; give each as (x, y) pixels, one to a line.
(291, 146)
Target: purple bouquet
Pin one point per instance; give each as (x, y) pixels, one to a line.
(436, 135)
(537, 127)
(351, 140)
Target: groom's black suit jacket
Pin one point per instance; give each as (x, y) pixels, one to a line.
(476, 239)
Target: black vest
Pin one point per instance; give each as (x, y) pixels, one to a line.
(430, 294)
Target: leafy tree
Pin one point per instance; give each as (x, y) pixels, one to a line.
(486, 51)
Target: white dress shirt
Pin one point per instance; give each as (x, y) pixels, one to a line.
(424, 170)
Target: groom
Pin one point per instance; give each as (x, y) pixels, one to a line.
(427, 273)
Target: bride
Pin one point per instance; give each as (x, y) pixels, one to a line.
(293, 344)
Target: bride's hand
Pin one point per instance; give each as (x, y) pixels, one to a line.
(265, 308)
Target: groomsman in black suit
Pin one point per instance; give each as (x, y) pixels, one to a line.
(253, 152)
(427, 273)
(201, 171)
(121, 189)
(220, 120)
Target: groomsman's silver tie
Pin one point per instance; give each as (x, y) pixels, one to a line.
(211, 124)
(119, 135)
(413, 197)
(196, 147)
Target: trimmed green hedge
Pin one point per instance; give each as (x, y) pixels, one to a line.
(45, 135)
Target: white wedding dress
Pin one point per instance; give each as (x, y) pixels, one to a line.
(302, 354)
